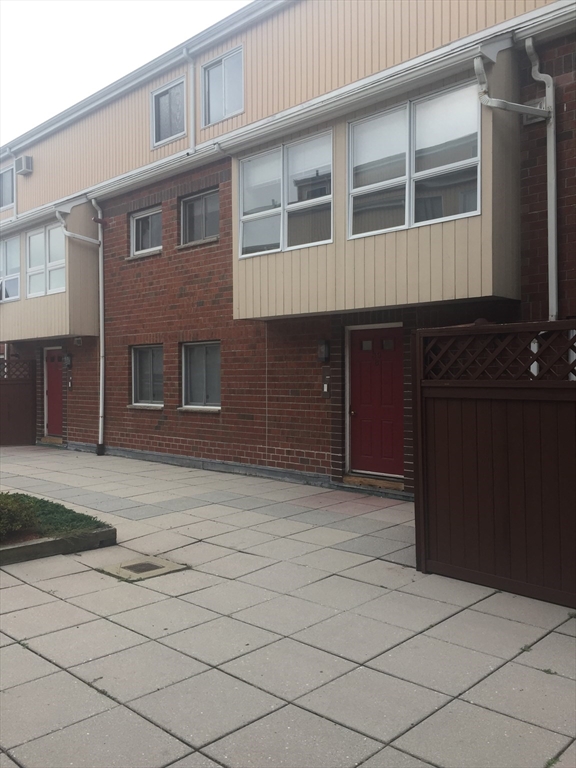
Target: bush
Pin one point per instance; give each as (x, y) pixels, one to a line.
(17, 513)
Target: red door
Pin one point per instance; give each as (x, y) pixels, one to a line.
(376, 401)
(54, 392)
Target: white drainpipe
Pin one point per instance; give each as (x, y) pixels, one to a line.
(98, 220)
(548, 113)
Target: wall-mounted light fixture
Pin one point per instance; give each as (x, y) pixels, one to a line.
(323, 351)
(67, 361)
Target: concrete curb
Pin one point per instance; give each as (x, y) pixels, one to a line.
(64, 545)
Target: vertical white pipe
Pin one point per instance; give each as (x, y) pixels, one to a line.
(102, 359)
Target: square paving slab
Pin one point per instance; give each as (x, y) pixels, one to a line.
(285, 615)
(164, 618)
(19, 665)
(555, 652)
(393, 758)
(339, 592)
(230, 596)
(408, 611)
(43, 619)
(284, 577)
(124, 597)
(292, 738)
(524, 609)
(435, 587)
(24, 596)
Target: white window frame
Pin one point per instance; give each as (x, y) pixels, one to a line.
(134, 254)
(284, 208)
(153, 96)
(134, 355)
(3, 269)
(47, 267)
(11, 170)
(214, 407)
(201, 196)
(411, 177)
(211, 65)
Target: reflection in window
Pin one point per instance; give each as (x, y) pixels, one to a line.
(10, 269)
(449, 194)
(200, 217)
(148, 375)
(169, 111)
(146, 232)
(383, 209)
(201, 367)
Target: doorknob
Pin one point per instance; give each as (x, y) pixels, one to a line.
(352, 413)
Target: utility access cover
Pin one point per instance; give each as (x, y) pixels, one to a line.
(143, 568)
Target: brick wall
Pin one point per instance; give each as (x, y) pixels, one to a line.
(557, 59)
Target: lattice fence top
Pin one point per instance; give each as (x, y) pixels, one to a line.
(17, 370)
(506, 356)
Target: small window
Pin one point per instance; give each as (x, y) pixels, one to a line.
(200, 217)
(10, 269)
(146, 233)
(169, 113)
(223, 88)
(7, 188)
(46, 267)
(148, 375)
(201, 369)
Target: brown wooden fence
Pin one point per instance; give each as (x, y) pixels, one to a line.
(17, 402)
(496, 456)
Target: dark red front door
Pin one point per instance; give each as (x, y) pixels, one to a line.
(376, 401)
(54, 392)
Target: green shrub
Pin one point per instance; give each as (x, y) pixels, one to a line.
(17, 513)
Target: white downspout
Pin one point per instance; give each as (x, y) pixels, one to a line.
(102, 360)
(548, 114)
(191, 93)
(74, 235)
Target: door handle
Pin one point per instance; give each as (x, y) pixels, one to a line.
(352, 413)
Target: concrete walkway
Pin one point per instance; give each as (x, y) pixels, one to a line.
(297, 635)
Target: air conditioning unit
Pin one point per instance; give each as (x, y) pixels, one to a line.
(24, 165)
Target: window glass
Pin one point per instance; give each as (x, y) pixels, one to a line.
(261, 235)
(212, 215)
(201, 217)
(233, 83)
(157, 374)
(169, 113)
(36, 250)
(309, 225)
(261, 182)
(310, 169)
(56, 244)
(215, 94)
(11, 288)
(379, 149)
(382, 209)
(37, 283)
(202, 374)
(213, 374)
(446, 129)
(6, 187)
(12, 256)
(449, 194)
(148, 232)
(193, 213)
(148, 374)
(56, 279)
(223, 88)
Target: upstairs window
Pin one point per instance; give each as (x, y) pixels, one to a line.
(7, 188)
(146, 234)
(201, 217)
(10, 269)
(416, 163)
(223, 87)
(201, 374)
(45, 267)
(168, 113)
(287, 197)
(148, 375)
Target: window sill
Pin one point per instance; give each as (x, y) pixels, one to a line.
(136, 256)
(196, 243)
(146, 407)
(200, 408)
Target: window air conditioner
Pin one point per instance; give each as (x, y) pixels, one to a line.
(24, 165)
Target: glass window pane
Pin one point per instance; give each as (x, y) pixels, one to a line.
(195, 389)
(56, 279)
(447, 195)
(11, 288)
(233, 83)
(36, 283)
(148, 232)
(214, 94)
(56, 245)
(383, 209)
(261, 235)
(176, 109)
(162, 109)
(193, 220)
(157, 374)
(13, 256)
(6, 188)
(310, 225)
(143, 361)
(310, 169)
(212, 215)
(261, 182)
(447, 129)
(36, 250)
(213, 374)
(379, 149)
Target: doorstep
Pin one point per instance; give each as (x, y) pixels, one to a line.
(380, 483)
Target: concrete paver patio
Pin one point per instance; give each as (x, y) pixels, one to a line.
(299, 634)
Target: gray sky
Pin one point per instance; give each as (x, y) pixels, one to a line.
(54, 53)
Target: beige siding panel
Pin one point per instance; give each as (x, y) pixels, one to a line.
(389, 252)
(82, 285)
(380, 276)
(424, 287)
(37, 318)
(448, 251)
(487, 217)
(369, 273)
(461, 258)
(436, 263)
(8, 213)
(107, 143)
(356, 259)
(401, 267)
(412, 251)
(475, 256)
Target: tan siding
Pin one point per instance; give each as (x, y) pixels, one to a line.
(82, 283)
(105, 144)
(37, 318)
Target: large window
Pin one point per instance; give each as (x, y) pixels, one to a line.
(146, 233)
(287, 197)
(416, 163)
(7, 188)
(10, 269)
(168, 113)
(148, 375)
(200, 217)
(223, 88)
(201, 375)
(45, 255)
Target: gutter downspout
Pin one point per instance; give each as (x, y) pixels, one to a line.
(102, 360)
(74, 235)
(192, 92)
(547, 113)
